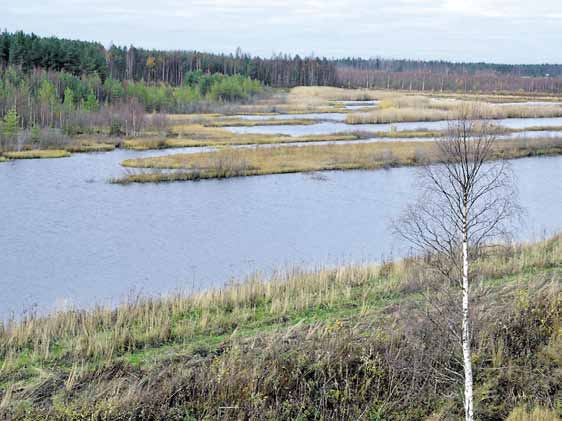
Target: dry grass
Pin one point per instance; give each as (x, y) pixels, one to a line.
(325, 93)
(344, 341)
(190, 118)
(500, 98)
(239, 122)
(197, 135)
(228, 163)
(37, 154)
(423, 108)
(398, 115)
(536, 414)
(85, 147)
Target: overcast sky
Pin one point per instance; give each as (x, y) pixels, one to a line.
(508, 31)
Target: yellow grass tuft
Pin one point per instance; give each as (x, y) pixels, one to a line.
(37, 154)
(260, 161)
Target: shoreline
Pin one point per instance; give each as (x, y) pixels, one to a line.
(85, 351)
(231, 163)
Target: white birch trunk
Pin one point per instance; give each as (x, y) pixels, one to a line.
(466, 334)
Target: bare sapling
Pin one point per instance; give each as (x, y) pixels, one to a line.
(466, 201)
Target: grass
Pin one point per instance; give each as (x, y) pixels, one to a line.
(228, 163)
(325, 93)
(534, 129)
(37, 154)
(424, 108)
(338, 342)
(197, 135)
(536, 414)
(239, 122)
(86, 147)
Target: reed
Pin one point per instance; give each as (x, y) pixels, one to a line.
(199, 136)
(419, 108)
(229, 162)
(326, 93)
(37, 154)
(86, 147)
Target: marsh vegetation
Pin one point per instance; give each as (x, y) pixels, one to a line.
(331, 343)
(226, 163)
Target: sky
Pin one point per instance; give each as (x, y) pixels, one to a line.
(501, 31)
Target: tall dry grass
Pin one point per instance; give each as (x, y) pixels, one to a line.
(423, 108)
(344, 342)
(323, 94)
(283, 159)
(536, 414)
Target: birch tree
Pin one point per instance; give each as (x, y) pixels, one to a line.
(466, 201)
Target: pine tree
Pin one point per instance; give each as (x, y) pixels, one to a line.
(10, 128)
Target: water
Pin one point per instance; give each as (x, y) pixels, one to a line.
(525, 134)
(530, 104)
(328, 127)
(358, 105)
(70, 238)
(313, 116)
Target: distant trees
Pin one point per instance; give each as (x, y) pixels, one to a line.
(9, 130)
(448, 76)
(431, 80)
(54, 99)
(174, 67)
(29, 51)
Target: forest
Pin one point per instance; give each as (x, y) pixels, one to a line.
(29, 51)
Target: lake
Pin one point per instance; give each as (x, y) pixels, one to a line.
(70, 238)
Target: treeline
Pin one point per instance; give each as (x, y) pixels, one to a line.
(30, 53)
(172, 66)
(416, 75)
(440, 66)
(432, 81)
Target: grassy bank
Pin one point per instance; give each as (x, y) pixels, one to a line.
(240, 122)
(78, 145)
(340, 343)
(197, 135)
(36, 154)
(424, 108)
(261, 161)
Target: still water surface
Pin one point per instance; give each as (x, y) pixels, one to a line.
(70, 238)
(327, 127)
